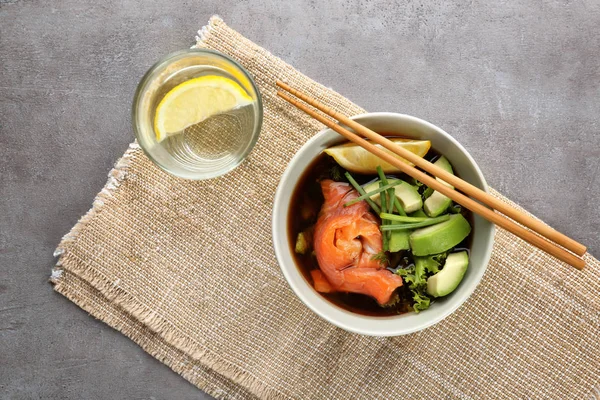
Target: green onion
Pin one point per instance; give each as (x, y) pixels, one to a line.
(391, 204)
(385, 236)
(430, 221)
(382, 177)
(371, 193)
(402, 218)
(383, 197)
(399, 207)
(390, 194)
(361, 191)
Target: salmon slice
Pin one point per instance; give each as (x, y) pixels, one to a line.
(321, 283)
(345, 241)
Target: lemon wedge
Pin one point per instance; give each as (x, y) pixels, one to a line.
(194, 101)
(356, 159)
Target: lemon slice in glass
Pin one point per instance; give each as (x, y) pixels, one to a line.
(356, 159)
(194, 101)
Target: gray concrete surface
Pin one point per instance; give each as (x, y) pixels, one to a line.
(518, 83)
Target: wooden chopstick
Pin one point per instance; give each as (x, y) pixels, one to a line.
(463, 186)
(456, 196)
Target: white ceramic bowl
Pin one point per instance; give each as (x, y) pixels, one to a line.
(483, 231)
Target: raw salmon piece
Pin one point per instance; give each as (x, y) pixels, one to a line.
(345, 241)
(321, 283)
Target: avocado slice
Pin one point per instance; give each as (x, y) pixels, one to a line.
(418, 213)
(437, 203)
(445, 281)
(302, 244)
(407, 194)
(440, 237)
(444, 164)
(399, 241)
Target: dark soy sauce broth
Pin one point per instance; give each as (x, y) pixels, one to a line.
(305, 204)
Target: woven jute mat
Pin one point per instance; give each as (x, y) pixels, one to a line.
(186, 269)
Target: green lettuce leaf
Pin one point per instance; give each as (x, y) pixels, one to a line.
(421, 302)
(431, 264)
(416, 276)
(416, 279)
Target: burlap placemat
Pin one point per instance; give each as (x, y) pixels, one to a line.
(186, 270)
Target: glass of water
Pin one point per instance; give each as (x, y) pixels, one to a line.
(197, 114)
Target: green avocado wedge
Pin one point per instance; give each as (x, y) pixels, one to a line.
(399, 240)
(447, 280)
(440, 237)
(418, 213)
(409, 196)
(437, 203)
(302, 244)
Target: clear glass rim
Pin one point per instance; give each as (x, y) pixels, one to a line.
(165, 61)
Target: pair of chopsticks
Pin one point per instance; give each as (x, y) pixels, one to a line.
(546, 239)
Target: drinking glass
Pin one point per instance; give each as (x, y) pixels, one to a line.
(211, 147)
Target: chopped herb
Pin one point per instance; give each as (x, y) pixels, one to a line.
(414, 182)
(381, 257)
(361, 191)
(455, 209)
(427, 193)
(336, 173)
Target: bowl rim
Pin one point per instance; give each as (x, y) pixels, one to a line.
(280, 198)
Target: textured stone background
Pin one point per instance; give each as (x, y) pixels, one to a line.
(518, 83)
